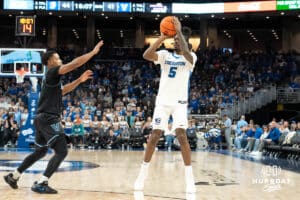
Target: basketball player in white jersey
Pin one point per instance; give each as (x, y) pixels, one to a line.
(172, 98)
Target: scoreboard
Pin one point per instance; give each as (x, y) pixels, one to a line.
(128, 6)
(25, 26)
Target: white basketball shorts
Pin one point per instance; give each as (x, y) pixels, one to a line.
(162, 114)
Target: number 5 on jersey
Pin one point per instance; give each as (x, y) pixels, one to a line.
(172, 72)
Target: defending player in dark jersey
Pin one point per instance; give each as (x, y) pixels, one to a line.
(49, 132)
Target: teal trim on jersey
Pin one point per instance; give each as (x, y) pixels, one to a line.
(175, 56)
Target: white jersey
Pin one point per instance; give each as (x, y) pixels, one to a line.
(174, 80)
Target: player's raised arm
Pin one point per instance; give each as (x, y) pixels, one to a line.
(79, 61)
(182, 42)
(88, 74)
(150, 54)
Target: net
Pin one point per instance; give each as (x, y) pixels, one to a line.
(20, 74)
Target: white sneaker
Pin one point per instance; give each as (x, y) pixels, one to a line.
(138, 195)
(190, 196)
(256, 154)
(139, 182)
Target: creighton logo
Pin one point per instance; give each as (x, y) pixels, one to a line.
(56, 127)
(157, 121)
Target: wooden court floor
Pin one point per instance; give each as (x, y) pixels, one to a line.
(217, 176)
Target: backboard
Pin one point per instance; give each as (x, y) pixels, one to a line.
(17, 58)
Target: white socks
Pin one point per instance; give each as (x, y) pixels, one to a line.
(16, 174)
(139, 183)
(145, 164)
(189, 180)
(43, 179)
(188, 172)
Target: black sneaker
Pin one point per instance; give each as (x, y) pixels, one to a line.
(11, 181)
(43, 188)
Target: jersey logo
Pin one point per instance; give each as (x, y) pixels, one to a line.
(182, 102)
(56, 127)
(157, 121)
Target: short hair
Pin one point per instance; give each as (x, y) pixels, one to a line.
(46, 56)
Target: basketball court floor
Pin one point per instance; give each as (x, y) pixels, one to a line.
(110, 174)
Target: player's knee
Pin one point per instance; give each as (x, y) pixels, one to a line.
(155, 135)
(62, 153)
(181, 135)
(42, 151)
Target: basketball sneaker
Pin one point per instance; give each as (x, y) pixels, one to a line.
(11, 181)
(43, 188)
(139, 183)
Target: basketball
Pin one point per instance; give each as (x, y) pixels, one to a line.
(167, 26)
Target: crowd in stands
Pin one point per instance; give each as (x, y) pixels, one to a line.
(252, 138)
(122, 94)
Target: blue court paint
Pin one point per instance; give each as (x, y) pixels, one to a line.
(40, 166)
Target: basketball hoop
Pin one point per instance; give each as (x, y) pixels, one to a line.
(20, 74)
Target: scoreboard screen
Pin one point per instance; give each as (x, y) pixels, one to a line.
(18, 4)
(128, 6)
(25, 26)
(288, 4)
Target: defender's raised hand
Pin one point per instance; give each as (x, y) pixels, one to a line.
(97, 47)
(88, 74)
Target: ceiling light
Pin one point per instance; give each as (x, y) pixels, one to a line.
(212, 16)
(282, 13)
(267, 17)
(237, 18)
(50, 13)
(223, 18)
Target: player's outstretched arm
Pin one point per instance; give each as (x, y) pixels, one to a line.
(88, 74)
(79, 61)
(182, 42)
(150, 53)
